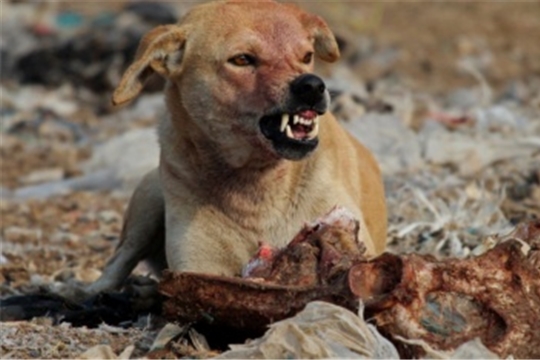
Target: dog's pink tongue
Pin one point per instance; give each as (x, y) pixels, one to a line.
(308, 114)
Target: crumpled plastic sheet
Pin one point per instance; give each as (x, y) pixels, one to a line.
(321, 330)
(324, 330)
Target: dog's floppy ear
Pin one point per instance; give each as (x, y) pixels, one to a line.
(159, 51)
(326, 47)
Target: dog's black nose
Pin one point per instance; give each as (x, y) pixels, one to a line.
(309, 89)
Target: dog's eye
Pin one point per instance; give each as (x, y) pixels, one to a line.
(307, 58)
(243, 60)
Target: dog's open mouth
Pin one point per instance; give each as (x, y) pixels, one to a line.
(293, 135)
(301, 126)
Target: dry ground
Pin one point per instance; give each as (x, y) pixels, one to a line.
(422, 46)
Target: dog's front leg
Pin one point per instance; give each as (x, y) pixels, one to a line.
(142, 237)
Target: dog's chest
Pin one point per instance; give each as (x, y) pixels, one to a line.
(275, 214)
(277, 222)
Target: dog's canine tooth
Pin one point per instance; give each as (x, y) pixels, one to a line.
(314, 132)
(284, 122)
(289, 132)
(296, 119)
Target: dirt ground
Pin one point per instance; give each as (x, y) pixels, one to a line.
(433, 37)
(451, 64)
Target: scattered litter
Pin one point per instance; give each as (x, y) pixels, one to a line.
(129, 156)
(454, 122)
(166, 335)
(321, 330)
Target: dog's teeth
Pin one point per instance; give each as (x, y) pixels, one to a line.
(314, 132)
(296, 119)
(305, 121)
(289, 132)
(284, 122)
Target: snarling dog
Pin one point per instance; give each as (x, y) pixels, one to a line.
(249, 152)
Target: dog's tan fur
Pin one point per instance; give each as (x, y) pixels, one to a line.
(220, 188)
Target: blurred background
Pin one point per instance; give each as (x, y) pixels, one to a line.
(446, 94)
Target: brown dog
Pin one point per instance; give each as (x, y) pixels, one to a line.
(248, 151)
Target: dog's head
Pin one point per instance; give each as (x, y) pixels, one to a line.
(243, 73)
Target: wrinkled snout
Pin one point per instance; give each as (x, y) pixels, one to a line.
(308, 89)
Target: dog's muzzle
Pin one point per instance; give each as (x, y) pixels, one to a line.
(294, 132)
